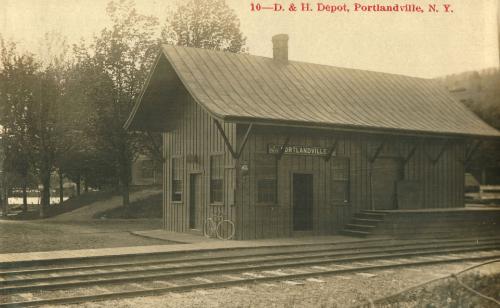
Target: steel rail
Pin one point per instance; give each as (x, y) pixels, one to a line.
(471, 241)
(187, 287)
(220, 269)
(209, 262)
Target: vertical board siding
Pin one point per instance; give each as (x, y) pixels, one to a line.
(441, 182)
(194, 140)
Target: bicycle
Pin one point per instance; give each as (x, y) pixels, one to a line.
(219, 227)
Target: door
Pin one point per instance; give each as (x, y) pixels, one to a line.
(302, 202)
(195, 214)
(386, 173)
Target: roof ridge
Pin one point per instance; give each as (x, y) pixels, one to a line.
(302, 62)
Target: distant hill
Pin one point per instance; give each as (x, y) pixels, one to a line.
(478, 90)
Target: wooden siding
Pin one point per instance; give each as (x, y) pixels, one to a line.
(194, 140)
(441, 181)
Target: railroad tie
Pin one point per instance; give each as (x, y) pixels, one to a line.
(165, 283)
(321, 268)
(343, 277)
(364, 264)
(240, 289)
(100, 289)
(201, 279)
(136, 285)
(417, 270)
(26, 296)
(298, 271)
(424, 259)
(268, 285)
(293, 283)
(387, 262)
(341, 266)
(253, 275)
(231, 277)
(275, 273)
(366, 275)
(404, 260)
(315, 280)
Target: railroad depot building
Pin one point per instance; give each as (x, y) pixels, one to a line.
(283, 148)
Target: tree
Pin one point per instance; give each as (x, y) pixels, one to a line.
(18, 82)
(124, 52)
(209, 24)
(87, 86)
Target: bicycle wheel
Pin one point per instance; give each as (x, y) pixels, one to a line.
(209, 228)
(225, 230)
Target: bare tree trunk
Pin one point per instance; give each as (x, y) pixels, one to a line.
(125, 175)
(126, 194)
(86, 187)
(61, 187)
(45, 200)
(25, 194)
(4, 199)
(78, 185)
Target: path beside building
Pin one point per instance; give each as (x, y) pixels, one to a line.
(87, 212)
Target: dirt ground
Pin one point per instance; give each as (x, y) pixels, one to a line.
(346, 290)
(31, 236)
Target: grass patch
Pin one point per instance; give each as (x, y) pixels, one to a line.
(149, 207)
(67, 206)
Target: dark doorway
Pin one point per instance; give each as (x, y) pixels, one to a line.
(302, 202)
(195, 218)
(386, 173)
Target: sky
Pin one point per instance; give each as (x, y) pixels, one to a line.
(416, 44)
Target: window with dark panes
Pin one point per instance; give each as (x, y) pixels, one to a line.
(340, 180)
(177, 183)
(265, 174)
(216, 179)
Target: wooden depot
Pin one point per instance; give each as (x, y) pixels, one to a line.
(283, 148)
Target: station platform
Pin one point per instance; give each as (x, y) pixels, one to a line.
(186, 243)
(426, 223)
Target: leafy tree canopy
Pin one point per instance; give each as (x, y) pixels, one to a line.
(209, 24)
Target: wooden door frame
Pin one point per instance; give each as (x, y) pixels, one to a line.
(292, 231)
(190, 174)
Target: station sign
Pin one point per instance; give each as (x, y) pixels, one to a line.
(298, 150)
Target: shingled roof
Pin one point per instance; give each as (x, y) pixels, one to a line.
(246, 88)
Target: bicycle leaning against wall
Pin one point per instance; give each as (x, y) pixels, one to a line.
(218, 226)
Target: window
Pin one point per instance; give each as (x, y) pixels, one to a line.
(340, 180)
(177, 184)
(265, 174)
(217, 179)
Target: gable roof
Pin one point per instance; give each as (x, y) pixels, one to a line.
(245, 88)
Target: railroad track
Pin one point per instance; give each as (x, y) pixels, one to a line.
(73, 283)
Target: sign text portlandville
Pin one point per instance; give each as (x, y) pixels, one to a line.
(298, 150)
